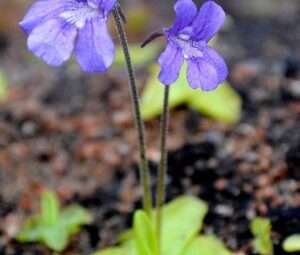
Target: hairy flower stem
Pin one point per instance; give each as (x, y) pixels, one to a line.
(162, 171)
(144, 167)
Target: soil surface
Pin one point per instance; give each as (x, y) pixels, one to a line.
(73, 133)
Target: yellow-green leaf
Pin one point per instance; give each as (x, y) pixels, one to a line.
(49, 208)
(55, 237)
(144, 234)
(152, 97)
(183, 219)
(261, 229)
(73, 217)
(139, 56)
(52, 226)
(206, 245)
(292, 243)
(222, 104)
(3, 87)
(111, 251)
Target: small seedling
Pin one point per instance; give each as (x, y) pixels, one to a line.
(292, 243)
(261, 229)
(53, 226)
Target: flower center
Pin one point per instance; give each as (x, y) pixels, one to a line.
(79, 13)
(189, 47)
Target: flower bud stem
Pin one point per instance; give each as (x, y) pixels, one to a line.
(144, 167)
(163, 165)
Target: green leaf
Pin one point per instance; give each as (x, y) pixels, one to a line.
(56, 238)
(152, 97)
(49, 208)
(127, 248)
(223, 104)
(144, 234)
(52, 226)
(3, 87)
(206, 245)
(32, 230)
(73, 217)
(111, 251)
(140, 56)
(183, 219)
(292, 243)
(261, 229)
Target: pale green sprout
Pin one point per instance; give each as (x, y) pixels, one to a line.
(261, 229)
(53, 226)
(3, 87)
(292, 243)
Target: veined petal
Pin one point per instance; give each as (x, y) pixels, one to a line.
(105, 5)
(185, 11)
(42, 11)
(208, 21)
(94, 48)
(170, 62)
(53, 41)
(213, 57)
(202, 74)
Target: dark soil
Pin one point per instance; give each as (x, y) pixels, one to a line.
(73, 133)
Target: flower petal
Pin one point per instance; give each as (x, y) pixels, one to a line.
(42, 11)
(170, 62)
(105, 5)
(201, 74)
(53, 41)
(185, 11)
(208, 21)
(213, 57)
(95, 50)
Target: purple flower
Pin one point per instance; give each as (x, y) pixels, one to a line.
(188, 41)
(56, 28)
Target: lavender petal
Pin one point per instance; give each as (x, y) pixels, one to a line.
(53, 41)
(94, 48)
(170, 61)
(42, 11)
(185, 11)
(201, 74)
(213, 57)
(208, 21)
(105, 5)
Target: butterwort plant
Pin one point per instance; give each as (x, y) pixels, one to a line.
(57, 28)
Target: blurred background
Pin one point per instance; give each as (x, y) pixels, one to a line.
(71, 132)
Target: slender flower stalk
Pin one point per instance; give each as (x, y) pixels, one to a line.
(144, 167)
(162, 171)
